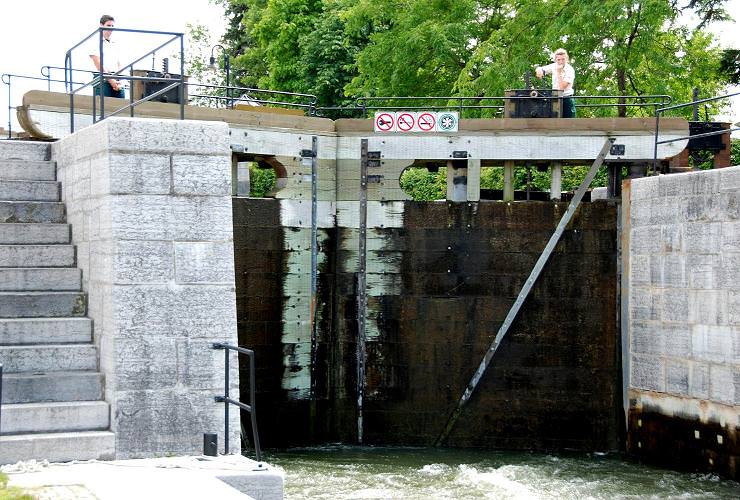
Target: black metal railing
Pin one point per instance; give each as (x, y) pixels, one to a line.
(7, 79)
(101, 75)
(257, 97)
(496, 104)
(695, 103)
(227, 400)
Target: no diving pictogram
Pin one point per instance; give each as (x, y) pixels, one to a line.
(405, 121)
(384, 122)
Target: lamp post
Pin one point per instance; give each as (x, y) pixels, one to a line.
(227, 68)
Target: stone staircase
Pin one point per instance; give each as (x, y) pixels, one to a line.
(52, 400)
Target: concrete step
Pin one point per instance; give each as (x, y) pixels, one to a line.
(37, 255)
(29, 190)
(42, 304)
(58, 447)
(34, 234)
(28, 170)
(29, 331)
(53, 279)
(67, 416)
(32, 211)
(48, 358)
(25, 150)
(55, 386)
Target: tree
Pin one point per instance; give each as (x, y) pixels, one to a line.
(340, 49)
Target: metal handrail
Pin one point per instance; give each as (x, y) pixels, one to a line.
(1, 396)
(362, 103)
(311, 105)
(7, 79)
(659, 111)
(101, 74)
(227, 400)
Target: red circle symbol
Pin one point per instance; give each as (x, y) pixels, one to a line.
(384, 122)
(426, 121)
(405, 121)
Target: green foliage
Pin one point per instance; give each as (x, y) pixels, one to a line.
(261, 181)
(11, 493)
(421, 184)
(342, 49)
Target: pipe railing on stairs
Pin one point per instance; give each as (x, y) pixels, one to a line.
(227, 400)
(1, 397)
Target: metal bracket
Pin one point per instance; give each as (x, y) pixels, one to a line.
(617, 150)
(375, 178)
(460, 154)
(373, 159)
(307, 153)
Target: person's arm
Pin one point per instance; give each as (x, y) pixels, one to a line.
(563, 80)
(541, 71)
(115, 84)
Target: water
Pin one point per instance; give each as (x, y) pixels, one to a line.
(339, 472)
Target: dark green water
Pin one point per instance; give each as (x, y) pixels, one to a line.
(338, 472)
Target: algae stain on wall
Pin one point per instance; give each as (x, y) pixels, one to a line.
(295, 218)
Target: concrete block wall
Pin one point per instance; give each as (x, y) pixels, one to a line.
(150, 208)
(683, 314)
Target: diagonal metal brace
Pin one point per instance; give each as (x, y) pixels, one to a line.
(525, 290)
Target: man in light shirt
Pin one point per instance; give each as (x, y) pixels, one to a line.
(111, 86)
(563, 77)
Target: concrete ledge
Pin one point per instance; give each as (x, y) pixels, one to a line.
(223, 477)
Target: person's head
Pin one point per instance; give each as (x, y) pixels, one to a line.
(108, 22)
(560, 57)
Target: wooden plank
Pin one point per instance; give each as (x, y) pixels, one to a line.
(578, 145)
(473, 179)
(606, 125)
(40, 99)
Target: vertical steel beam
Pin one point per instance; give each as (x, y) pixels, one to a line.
(525, 290)
(314, 260)
(361, 288)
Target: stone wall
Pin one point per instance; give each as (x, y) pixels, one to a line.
(150, 207)
(683, 319)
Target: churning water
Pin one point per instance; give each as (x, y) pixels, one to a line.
(339, 472)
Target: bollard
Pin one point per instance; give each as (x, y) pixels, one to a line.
(210, 444)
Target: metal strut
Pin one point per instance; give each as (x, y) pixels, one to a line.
(361, 288)
(525, 290)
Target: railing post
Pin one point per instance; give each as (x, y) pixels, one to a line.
(1, 396)
(10, 107)
(226, 402)
(695, 97)
(252, 412)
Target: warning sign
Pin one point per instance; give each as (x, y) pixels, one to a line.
(426, 121)
(406, 122)
(447, 122)
(384, 122)
(409, 121)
